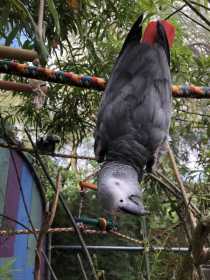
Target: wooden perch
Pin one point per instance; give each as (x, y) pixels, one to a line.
(89, 82)
(16, 53)
(87, 185)
(48, 220)
(13, 86)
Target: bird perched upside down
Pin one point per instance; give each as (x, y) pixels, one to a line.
(134, 116)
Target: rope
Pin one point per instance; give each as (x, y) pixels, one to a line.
(85, 81)
(6, 232)
(126, 237)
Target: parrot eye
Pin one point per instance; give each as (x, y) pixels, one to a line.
(121, 200)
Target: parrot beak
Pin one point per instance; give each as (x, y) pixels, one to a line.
(134, 206)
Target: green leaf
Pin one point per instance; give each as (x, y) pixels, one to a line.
(27, 45)
(55, 15)
(20, 6)
(40, 44)
(11, 35)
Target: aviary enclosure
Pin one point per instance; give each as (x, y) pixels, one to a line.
(47, 232)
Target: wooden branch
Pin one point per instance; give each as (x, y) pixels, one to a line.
(200, 253)
(13, 86)
(47, 222)
(84, 274)
(17, 53)
(40, 18)
(87, 185)
(199, 238)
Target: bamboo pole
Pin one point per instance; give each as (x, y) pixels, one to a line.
(13, 86)
(17, 53)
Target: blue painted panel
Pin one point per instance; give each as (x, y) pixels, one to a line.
(29, 273)
(21, 241)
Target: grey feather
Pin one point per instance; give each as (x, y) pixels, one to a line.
(134, 116)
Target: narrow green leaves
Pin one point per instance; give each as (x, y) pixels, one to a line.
(54, 13)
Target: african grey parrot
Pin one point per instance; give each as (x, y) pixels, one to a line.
(134, 116)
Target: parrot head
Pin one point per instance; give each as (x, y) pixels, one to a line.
(150, 33)
(118, 189)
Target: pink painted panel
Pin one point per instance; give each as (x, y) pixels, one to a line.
(11, 203)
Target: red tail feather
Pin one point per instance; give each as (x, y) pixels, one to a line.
(150, 33)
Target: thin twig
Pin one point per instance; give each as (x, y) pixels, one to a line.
(194, 113)
(34, 151)
(197, 12)
(82, 267)
(166, 186)
(195, 21)
(193, 207)
(200, 5)
(47, 222)
(182, 188)
(176, 11)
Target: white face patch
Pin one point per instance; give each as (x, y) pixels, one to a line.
(119, 190)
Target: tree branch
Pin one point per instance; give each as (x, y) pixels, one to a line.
(48, 220)
(200, 5)
(176, 11)
(195, 21)
(197, 12)
(193, 113)
(40, 18)
(199, 238)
